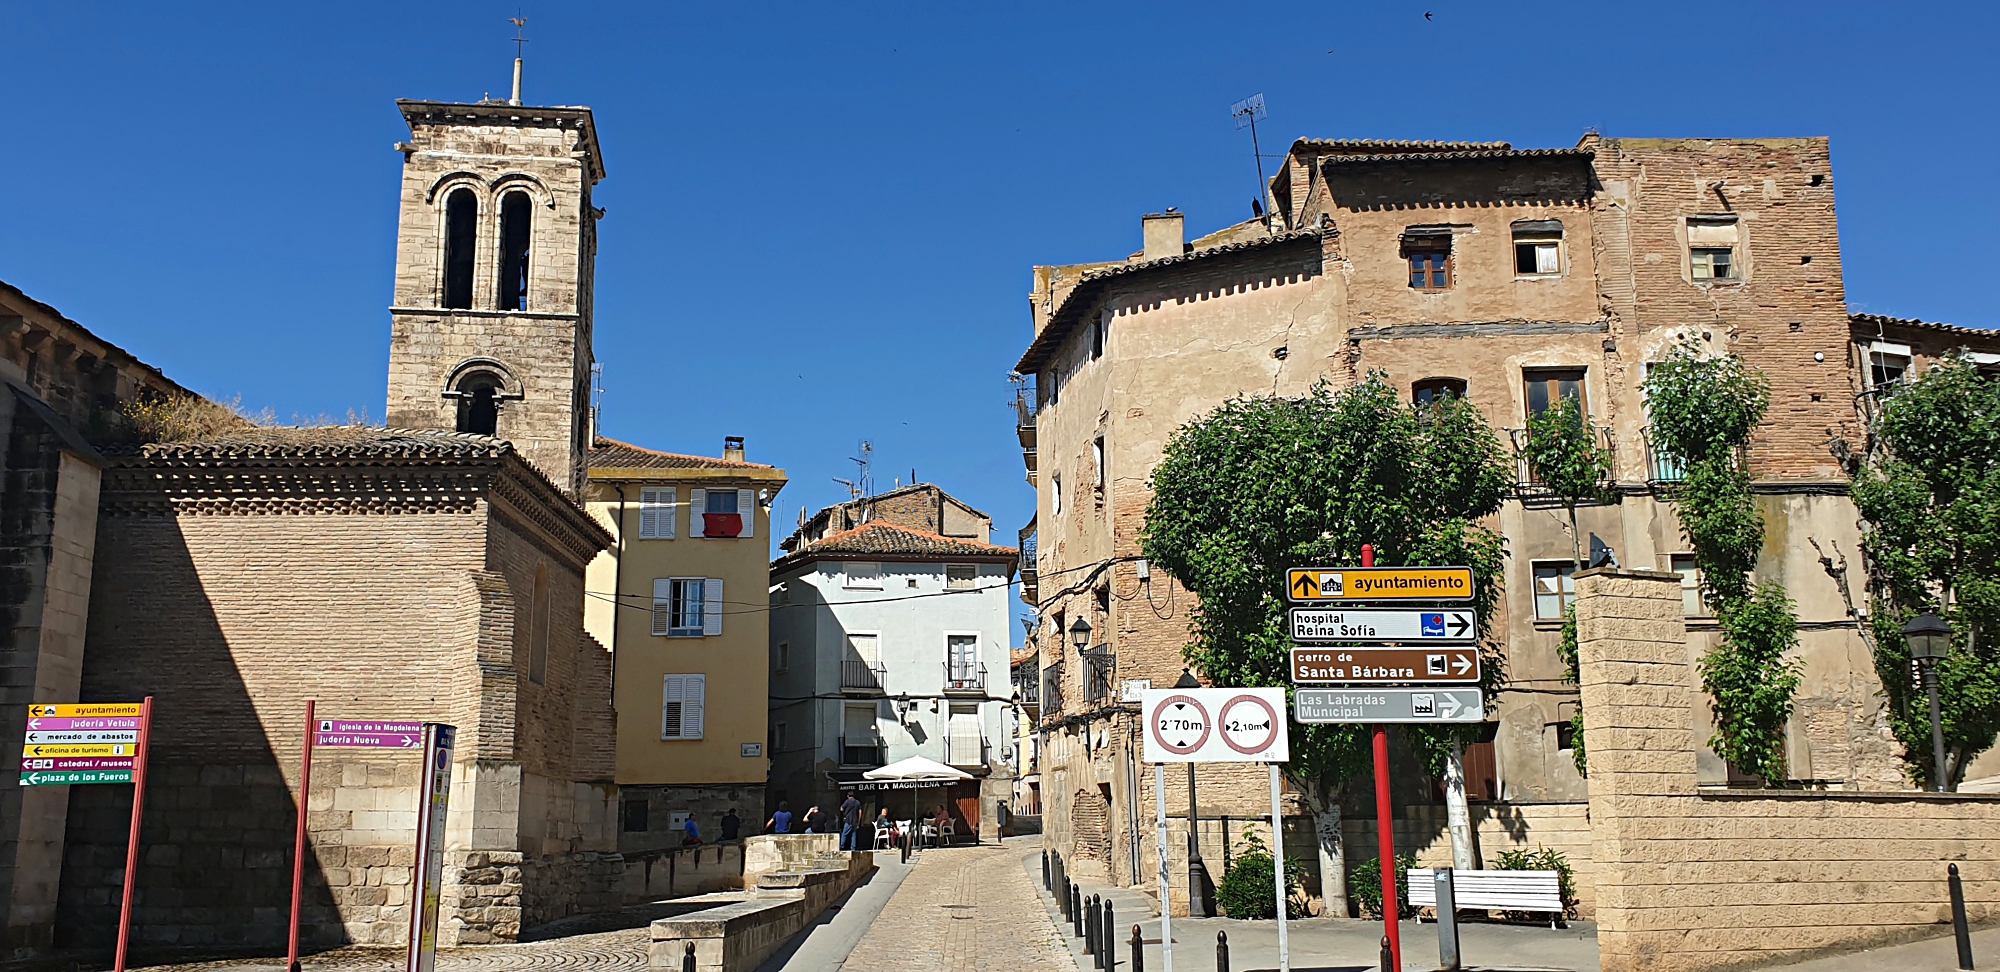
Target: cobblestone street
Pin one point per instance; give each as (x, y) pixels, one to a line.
(964, 909)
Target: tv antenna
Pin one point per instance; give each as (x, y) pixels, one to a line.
(1246, 113)
(864, 482)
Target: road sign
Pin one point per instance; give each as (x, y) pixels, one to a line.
(1385, 666)
(74, 777)
(1389, 705)
(1378, 584)
(70, 711)
(83, 749)
(79, 763)
(1443, 627)
(371, 740)
(37, 724)
(96, 736)
(1216, 725)
(346, 726)
(427, 877)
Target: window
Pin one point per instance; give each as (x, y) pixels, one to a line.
(778, 734)
(1097, 461)
(782, 663)
(515, 212)
(538, 627)
(725, 512)
(1555, 588)
(1712, 247)
(656, 513)
(1432, 389)
(681, 706)
(1055, 494)
(863, 576)
(479, 404)
(1692, 605)
(1429, 253)
(962, 654)
(461, 236)
(1537, 247)
(1887, 364)
(1097, 339)
(687, 607)
(960, 577)
(1545, 388)
(635, 816)
(964, 738)
(1565, 735)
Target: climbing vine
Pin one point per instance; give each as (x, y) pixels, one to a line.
(1702, 410)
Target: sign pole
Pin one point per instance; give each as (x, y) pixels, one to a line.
(1166, 905)
(299, 839)
(132, 841)
(428, 868)
(1385, 822)
(1278, 852)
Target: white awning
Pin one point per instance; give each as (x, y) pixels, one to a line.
(917, 768)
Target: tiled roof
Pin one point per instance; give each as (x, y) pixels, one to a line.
(1094, 281)
(1358, 146)
(1883, 320)
(887, 540)
(613, 454)
(290, 442)
(1457, 156)
(1021, 654)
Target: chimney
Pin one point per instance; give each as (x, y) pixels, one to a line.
(732, 448)
(1165, 235)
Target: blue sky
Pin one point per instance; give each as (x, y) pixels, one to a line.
(822, 216)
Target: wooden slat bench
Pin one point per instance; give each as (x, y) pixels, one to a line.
(1494, 890)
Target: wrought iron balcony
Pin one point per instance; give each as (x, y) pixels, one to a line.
(963, 677)
(1031, 586)
(857, 675)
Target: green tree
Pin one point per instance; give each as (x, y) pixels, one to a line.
(1702, 410)
(1568, 459)
(1263, 484)
(1930, 493)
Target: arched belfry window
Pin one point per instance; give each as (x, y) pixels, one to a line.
(479, 405)
(515, 218)
(461, 235)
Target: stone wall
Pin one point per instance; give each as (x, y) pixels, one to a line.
(1701, 879)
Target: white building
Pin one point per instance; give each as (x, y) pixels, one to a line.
(889, 639)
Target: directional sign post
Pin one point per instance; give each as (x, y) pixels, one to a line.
(1311, 584)
(1385, 666)
(1406, 626)
(1420, 705)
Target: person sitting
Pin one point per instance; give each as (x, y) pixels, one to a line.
(732, 825)
(941, 823)
(690, 833)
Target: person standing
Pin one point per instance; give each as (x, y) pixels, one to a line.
(850, 823)
(780, 822)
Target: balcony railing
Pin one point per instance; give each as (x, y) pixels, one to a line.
(860, 751)
(1100, 670)
(1031, 580)
(1028, 682)
(1024, 428)
(1527, 484)
(966, 750)
(1052, 689)
(964, 677)
(1662, 467)
(857, 675)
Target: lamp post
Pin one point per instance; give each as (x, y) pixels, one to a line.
(1929, 639)
(1201, 891)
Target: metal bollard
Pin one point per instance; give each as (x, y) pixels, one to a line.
(687, 959)
(1222, 951)
(1138, 950)
(1447, 920)
(1958, 929)
(1090, 926)
(1107, 947)
(1076, 909)
(1062, 900)
(1388, 957)
(1045, 870)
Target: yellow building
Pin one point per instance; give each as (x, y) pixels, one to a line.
(688, 632)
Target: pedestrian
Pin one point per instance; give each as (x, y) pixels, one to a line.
(939, 823)
(690, 832)
(811, 820)
(780, 822)
(850, 823)
(732, 825)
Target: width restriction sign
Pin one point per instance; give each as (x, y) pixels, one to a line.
(1442, 627)
(1310, 584)
(1216, 725)
(1385, 666)
(1389, 705)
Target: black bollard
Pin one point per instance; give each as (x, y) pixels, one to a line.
(1958, 929)
(1222, 951)
(687, 958)
(1062, 900)
(1107, 946)
(1388, 957)
(1090, 927)
(1045, 870)
(1076, 909)
(1138, 950)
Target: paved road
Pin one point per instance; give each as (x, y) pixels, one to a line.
(965, 909)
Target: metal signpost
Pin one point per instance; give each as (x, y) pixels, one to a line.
(74, 744)
(429, 877)
(1421, 681)
(1218, 725)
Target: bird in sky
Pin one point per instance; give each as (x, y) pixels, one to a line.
(1427, 15)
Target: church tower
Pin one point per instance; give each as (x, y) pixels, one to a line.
(496, 247)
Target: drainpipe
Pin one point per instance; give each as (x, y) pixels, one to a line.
(617, 596)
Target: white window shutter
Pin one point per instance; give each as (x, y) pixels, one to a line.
(663, 605)
(697, 505)
(667, 512)
(693, 695)
(656, 514)
(746, 507)
(673, 706)
(711, 607)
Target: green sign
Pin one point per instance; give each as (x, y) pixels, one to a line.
(68, 777)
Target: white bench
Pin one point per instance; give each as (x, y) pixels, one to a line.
(1496, 890)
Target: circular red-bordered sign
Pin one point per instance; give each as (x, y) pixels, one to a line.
(1181, 748)
(1271, 725)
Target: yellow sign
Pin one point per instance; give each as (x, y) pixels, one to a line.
(1379, 584)
(77, 710)
(79, 749)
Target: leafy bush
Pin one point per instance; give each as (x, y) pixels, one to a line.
(1542, 859)
(1248, 889)
(1364, 886)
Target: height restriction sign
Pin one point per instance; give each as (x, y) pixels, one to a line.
(1216, 725)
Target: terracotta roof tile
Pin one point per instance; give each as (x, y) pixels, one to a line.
(1573, 153)
(1374, 146)
(1883, 320)
(891, 541)
(613, 454)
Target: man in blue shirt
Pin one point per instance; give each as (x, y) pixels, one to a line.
(780, 822)
(850, 823)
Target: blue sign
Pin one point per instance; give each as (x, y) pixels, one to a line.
(1433, 625)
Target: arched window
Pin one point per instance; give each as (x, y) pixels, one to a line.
(514, 222)
(479, 404)
(461, 235)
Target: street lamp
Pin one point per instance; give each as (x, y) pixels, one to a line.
(1079, 634)
(1929, 639)
(1201, 891)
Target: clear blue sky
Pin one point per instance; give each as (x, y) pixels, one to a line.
(822, 216)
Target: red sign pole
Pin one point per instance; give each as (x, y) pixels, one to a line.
(299, 840)
(132, 841)
(1385, 822)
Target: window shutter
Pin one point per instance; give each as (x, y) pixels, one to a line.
(656, 514)
(1545, 258)
(693, 695)
(673, 708)
(663, 605)
(697, 505)
(746, 507)
(711, 607)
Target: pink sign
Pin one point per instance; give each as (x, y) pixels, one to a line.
(345, 726)
(75, 723)
(78, 763)
(370, 740)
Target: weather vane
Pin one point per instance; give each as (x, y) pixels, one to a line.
(520, 24)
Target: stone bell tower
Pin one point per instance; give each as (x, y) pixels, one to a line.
(496, 246)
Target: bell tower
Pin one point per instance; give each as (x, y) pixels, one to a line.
(496, 246)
